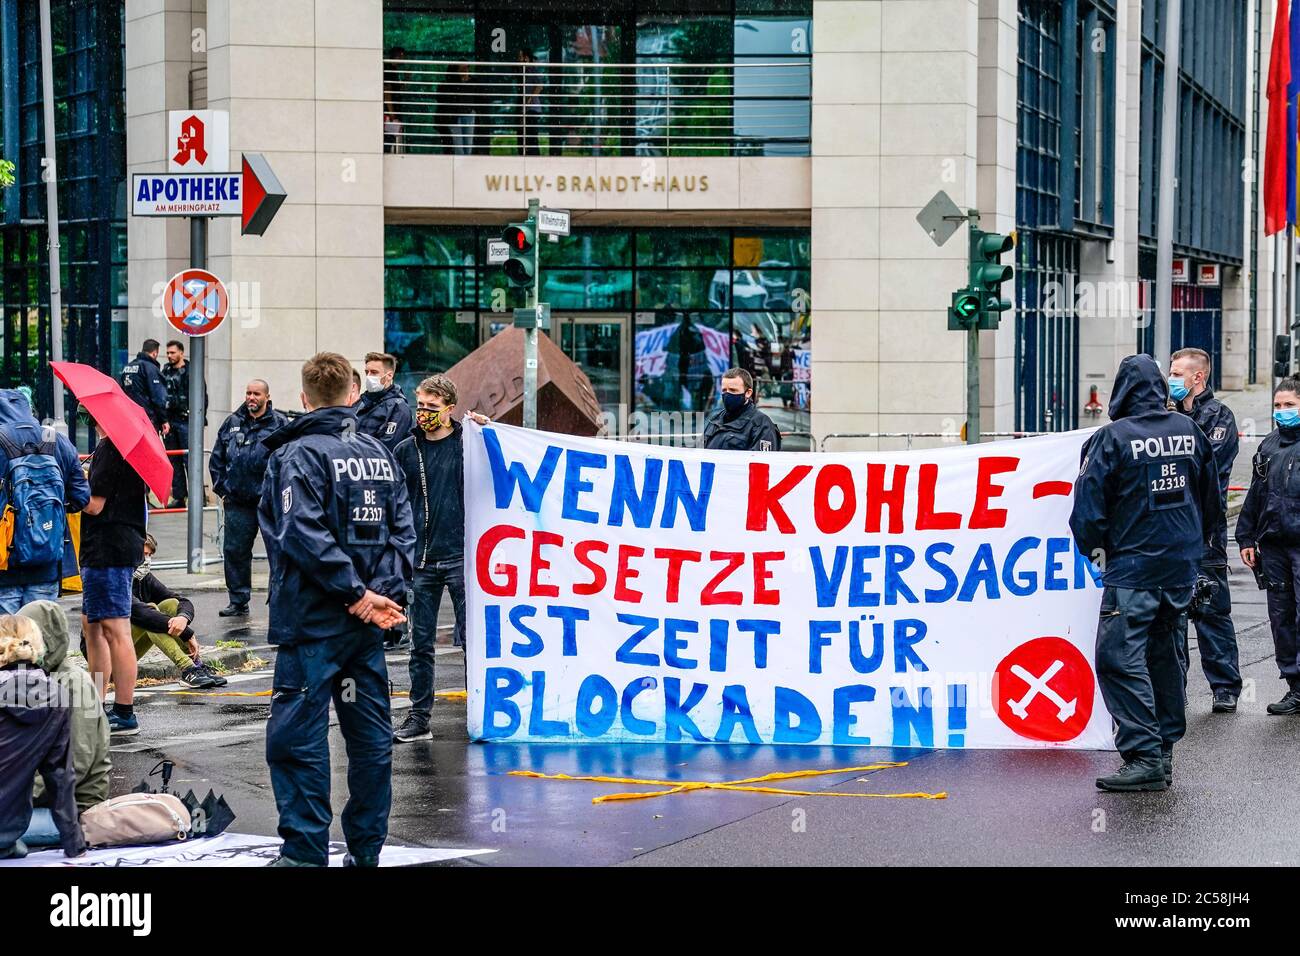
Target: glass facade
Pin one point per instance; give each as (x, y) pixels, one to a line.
(91, 154)
(653, 316)
(623, 77)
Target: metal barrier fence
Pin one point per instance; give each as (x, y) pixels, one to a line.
(599, 109)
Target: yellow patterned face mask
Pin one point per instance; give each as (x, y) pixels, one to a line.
(431, 420)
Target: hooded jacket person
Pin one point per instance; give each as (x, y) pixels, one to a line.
(1147, 494)
(34, 738)
(89, 723)
(385, 414)
(19, 426)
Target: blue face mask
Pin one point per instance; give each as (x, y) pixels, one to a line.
(734, 404)
(1177, 390)
(1287, 417)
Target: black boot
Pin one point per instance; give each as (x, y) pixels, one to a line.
(233, 610)
(1136, 775)
(1287, 706)
(366, 861)
(1225, 702)
(1167, 759)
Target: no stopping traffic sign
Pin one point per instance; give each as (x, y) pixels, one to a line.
(195, 302)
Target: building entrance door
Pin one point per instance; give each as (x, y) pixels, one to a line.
(601, 346)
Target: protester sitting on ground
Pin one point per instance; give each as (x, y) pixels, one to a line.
(160, 617)
(35, 728)
(88, 727)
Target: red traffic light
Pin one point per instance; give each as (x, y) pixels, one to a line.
(518, 238)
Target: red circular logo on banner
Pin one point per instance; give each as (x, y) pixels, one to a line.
(1044, 690)
(195, 302)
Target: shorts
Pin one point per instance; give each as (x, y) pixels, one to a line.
(105, 593)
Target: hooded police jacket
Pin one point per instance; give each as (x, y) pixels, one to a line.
(386, 415)
(336, 520)
(238, 462)
(751, 430)
(143, 383)
(1220, 427)
(1271, 511)
(1147, 495)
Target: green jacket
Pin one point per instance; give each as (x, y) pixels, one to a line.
(89, 722)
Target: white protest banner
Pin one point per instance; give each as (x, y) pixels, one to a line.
(933, 598)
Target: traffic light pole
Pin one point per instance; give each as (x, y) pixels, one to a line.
(530, 333)
(193, 463)
(972, 357)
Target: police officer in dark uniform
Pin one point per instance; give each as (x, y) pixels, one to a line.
(1145, 503)
(1268, 533)
(340, 538)
(176, 377)
(238, 468)
(383, 410)
(143, 383)
(738, 425)
(1216, 638)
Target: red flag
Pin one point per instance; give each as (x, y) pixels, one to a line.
(1275, 146)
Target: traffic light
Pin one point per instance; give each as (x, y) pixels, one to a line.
(987, 273)
(964, 310)
(521, 238)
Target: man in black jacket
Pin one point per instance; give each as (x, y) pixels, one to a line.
(1145, 503)
(176, 376)
(237, 466)
(1268, 534)
(339, 538)
(162, 618)
(383, 410)
(739, 425)
(432, 460)
(143, 383)
(1189, 387)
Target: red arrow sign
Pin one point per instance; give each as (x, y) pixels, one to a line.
(263, 194)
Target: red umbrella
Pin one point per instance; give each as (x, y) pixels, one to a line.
(125, 423)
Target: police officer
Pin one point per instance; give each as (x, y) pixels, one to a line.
(1268, 533)
(238, 466)
(383, 410)
(1145, 502)
(1189, 387)
(176, 377)
(738, 425)
(337, 523)
(143, 382)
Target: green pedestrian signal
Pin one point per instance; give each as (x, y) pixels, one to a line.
(521, 239)
(986, 274)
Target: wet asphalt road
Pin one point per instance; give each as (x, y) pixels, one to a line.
(1233, 802)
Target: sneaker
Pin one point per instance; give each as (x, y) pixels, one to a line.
(19, 850)
(1287, 706)
(413, 728)
(196, 675)
(119, 726)
(289, 861)
(233, 610)
(1224, 702)
(217, 679)
(1136, 775)
(350, 860)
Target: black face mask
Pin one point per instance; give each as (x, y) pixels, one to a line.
(733, 404)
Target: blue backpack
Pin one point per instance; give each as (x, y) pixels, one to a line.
(33, 486)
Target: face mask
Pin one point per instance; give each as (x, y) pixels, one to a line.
(373, 384)
(733, 403)
(143, 569)
(1287, 417)
(428, 419)
(1177, 390)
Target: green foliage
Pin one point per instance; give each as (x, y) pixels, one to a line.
(6, 173)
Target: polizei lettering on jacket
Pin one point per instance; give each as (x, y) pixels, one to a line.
(363, 469)
(1170, 446)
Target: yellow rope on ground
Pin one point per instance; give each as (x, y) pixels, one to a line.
(740, 785)
(447, 694)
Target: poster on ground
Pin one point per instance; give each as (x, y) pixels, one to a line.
(930, 598)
